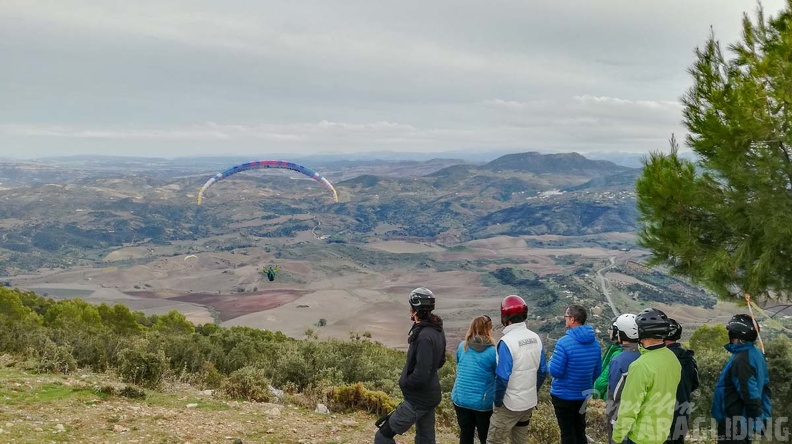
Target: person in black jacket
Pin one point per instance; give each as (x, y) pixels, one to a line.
(419, 382)
(688, 383)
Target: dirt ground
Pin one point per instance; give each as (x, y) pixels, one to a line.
(69, 409)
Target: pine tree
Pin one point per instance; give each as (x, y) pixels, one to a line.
(726, 220)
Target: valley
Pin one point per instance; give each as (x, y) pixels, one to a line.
(541, 226)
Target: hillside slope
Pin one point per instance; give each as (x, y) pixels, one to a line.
(73, 409)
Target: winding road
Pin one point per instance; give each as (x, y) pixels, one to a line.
(604, 284)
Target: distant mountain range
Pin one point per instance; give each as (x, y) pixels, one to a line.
(83, 207)
(626, 159)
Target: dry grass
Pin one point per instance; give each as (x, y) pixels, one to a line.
(72, 409)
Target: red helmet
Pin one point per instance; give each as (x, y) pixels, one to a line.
(513, 309)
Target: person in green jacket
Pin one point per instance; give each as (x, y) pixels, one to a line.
(600, 389)
(648, 394)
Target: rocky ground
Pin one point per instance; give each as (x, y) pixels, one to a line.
(45, 408)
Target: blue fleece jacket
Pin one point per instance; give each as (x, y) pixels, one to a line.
(575, 364)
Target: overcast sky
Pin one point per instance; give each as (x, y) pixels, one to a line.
(172, 78)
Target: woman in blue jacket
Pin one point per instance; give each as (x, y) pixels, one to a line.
(474, 388)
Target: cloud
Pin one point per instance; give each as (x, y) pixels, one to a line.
(200, 76)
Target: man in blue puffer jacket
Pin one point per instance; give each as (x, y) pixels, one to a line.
(574, 366)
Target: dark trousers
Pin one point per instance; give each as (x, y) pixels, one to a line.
(402, 419)
(571, 419)
(679, 429)
(471, 421)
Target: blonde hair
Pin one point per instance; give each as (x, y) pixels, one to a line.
(480, 326)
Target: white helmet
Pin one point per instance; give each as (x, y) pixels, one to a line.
(627, 325)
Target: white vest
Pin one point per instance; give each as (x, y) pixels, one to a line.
(525, 347)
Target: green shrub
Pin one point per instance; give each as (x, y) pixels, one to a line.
(173, 323)
(544, 426)
(596, 419)
(212, 378)
(73, 314)
(294, 366)
(779, 365)
(709, 338)
(710, 363)
(248, 383)
(137, 365)
(91, 349)
(445, 413)
(357, 397)
(53, 358)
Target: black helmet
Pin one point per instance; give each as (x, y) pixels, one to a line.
(422, 299)
(741, 326)
(674, 330)
(652, 324)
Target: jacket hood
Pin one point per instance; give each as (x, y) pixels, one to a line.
(433, 322)
(582, 333)
(479, 343)
(736, 348)
(681, 353)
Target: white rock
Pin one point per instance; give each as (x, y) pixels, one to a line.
(273, 412)
(322, 409)
(192, 405)
(120, 428)
(59, 428)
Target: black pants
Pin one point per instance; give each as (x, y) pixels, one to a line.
(679, 429)
(402, 419)
(469, 422)
(571, 420)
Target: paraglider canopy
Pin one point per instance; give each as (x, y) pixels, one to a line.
(268, 164)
